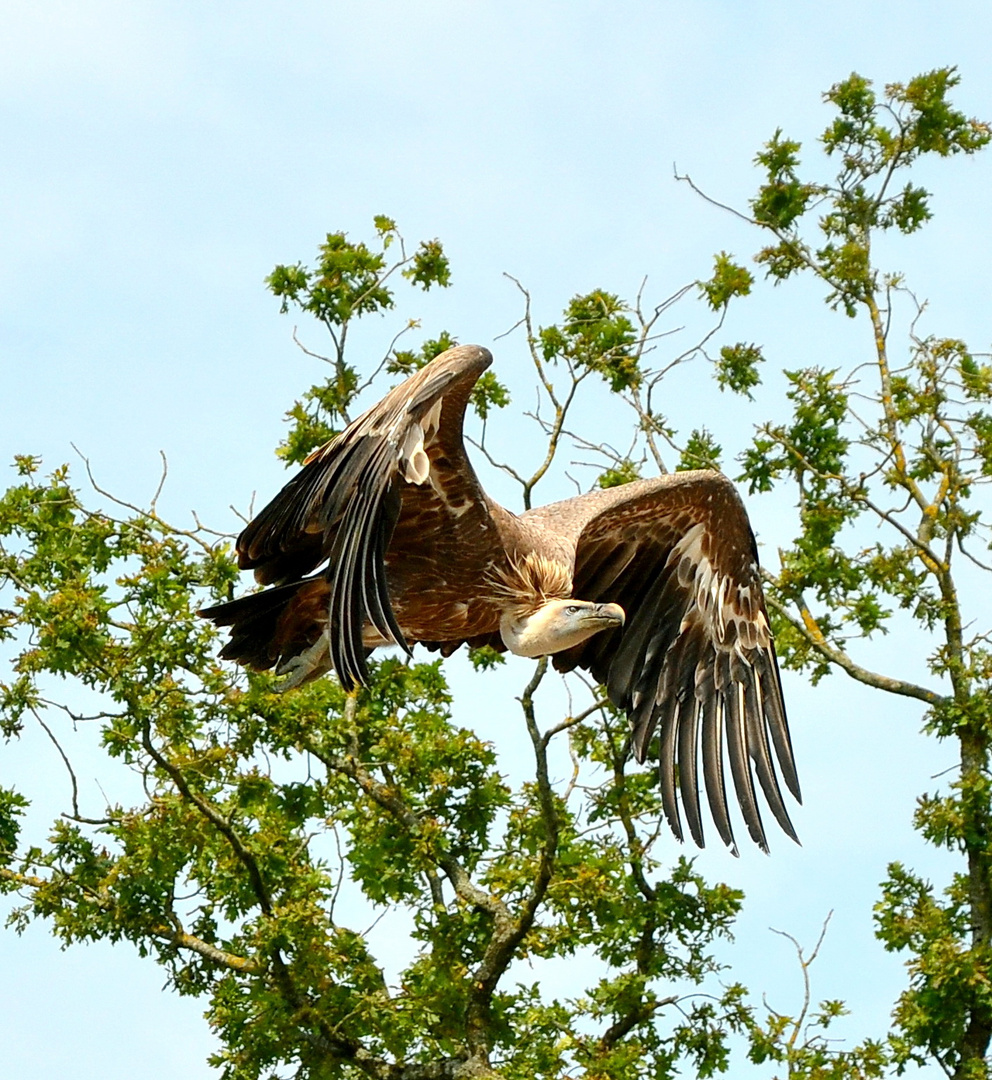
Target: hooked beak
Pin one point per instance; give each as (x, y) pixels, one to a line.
(606, 615)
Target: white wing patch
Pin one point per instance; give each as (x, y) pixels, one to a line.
(730, 609)
(415, 465)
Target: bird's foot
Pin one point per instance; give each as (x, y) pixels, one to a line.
(305, 666)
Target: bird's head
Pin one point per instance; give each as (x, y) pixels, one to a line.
(556, 625)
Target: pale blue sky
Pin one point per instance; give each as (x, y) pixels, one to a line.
(159, 158)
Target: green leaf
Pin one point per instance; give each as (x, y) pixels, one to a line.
(622, 473)
(729, 279)
(596, 334)
(737, 368)
(701, 452)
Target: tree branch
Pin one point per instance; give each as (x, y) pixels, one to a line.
(810, 630)
(637, 1015)
(213, 815)
(231, 961)
(506, 937)
(386, 796)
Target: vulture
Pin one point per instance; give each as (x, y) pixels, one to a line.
(386, 537)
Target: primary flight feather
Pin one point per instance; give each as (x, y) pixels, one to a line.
(386, 537)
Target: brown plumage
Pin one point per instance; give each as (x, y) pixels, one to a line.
(386, 536)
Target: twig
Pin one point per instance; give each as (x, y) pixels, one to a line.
(75, 816)
(804, 964)
(685, 178)
(161, 482)
(571, 721)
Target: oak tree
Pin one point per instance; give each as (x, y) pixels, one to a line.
(249, 834)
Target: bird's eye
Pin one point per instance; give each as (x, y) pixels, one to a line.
(572, 609)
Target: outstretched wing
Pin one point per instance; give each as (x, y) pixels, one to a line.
(695, 660)
(399, 468)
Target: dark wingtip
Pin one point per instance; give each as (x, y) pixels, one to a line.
(676, 826)
(785, 823)
(791, 781)
(210, 612)
(351, 680)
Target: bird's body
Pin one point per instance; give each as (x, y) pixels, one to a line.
(386, 536)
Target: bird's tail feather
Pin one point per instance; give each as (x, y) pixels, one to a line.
(255, 622)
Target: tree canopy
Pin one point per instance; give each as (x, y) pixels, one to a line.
(256, 830)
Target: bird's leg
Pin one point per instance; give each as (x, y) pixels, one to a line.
(305, 666)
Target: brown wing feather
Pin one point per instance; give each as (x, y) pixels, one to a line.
(695, 660)
(394, 508)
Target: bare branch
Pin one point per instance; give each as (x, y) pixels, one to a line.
(75, 815)
(161, 482)
(309, 352)
(506, 938)
(149, 514)
(571, 721)
(637, 1015)
(968, 555)
(685, 178)
(386, 796)
(508, 469)
(25, 881)
(213, 815)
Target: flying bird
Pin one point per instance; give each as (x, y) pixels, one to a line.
(386, 537)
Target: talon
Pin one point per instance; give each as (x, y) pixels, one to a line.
(305, 666)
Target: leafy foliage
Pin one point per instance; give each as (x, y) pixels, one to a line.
(406, 361)
(874, 140)
(596, 334)
(225, 875)
(348, 281)
(737, 368)
(900, 441)
(701, 452)
(729, 279)
(268, 831)
(623, 472)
